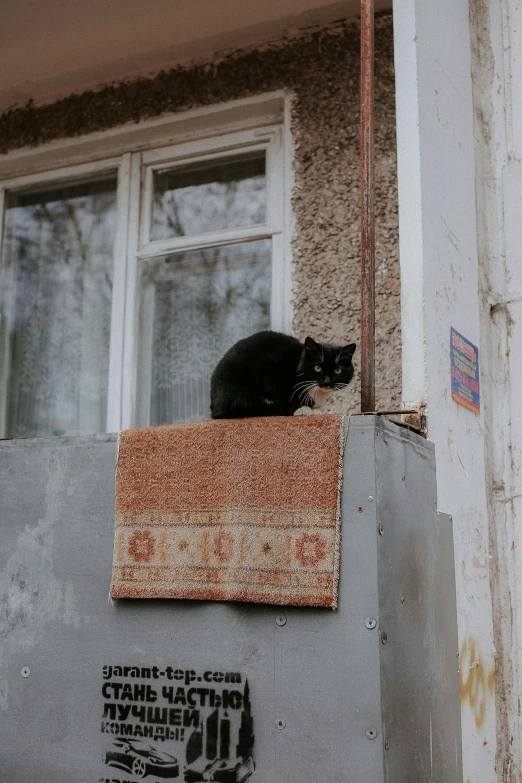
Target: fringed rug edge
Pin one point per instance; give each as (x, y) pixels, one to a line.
(343, 437)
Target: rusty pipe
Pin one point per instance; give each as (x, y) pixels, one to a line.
(367, 209)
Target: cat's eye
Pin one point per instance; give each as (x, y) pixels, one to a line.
(338, 370)
(318, 368)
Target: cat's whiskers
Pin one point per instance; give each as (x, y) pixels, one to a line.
(311, 392)
(310, 399)
(304, 391)
(300, 395)
(306, 394)
(299, 388)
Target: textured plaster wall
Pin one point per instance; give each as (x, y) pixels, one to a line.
(325, 126)
(321, 68)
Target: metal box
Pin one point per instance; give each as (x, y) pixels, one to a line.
(96, 691)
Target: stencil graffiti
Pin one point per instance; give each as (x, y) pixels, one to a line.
(176, 723)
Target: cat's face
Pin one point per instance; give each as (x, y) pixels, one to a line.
(323, 368)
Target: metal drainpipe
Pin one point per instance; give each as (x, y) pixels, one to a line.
(367, 210)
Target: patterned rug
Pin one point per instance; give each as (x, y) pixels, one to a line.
(231, 510)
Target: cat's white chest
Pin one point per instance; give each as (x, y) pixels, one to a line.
(321, 397)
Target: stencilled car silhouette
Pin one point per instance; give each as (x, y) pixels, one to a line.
(141, 759)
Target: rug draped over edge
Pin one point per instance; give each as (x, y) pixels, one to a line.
(231, 510)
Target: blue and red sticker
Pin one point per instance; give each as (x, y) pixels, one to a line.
(465, 380)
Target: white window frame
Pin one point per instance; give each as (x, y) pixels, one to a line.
(134, 152)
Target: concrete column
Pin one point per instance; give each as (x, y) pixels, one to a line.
(496, 45)
(440, 290)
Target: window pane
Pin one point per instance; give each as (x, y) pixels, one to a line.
(55, 297)
(194, 199)
(193, 307)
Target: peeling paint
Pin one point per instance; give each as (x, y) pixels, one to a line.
(492, 104)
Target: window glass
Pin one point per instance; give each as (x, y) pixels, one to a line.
(193, 307)
(55, 309)
(223, 194)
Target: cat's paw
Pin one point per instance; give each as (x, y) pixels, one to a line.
(304, 411)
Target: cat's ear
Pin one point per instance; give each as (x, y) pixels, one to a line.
(310, 344)
(349, 350)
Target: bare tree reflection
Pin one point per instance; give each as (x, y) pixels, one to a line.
(56, 296)
(203, 197)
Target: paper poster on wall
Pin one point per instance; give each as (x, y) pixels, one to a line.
(176, 723)
(465, 381)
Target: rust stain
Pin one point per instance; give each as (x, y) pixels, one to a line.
(475, 683)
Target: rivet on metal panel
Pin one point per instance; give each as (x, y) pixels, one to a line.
(371, 733)
(26, 671)
(370, 498)
(381, 529)
(280, 724)
(384, 637)
(360, 509)
(370, 623)
(386, 745)
(281, 619)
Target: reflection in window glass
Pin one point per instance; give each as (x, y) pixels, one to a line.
(193, 307)
(55, 297)
(198, 198)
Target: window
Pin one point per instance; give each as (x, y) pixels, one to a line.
(123, 281)
(56, 290)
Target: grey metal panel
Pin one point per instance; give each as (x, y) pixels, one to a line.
(419, 661)
(323, 674)
(319, 672)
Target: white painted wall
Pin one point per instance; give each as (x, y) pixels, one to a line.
(497, 78)
(440, 289)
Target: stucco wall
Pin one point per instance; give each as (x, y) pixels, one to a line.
(322, 70)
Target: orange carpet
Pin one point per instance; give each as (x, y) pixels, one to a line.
(231, 510)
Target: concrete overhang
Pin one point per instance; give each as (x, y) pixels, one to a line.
(51, 48)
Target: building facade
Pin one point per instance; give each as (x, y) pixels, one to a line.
(114, 119)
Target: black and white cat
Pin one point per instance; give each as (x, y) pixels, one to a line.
(273, 374)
